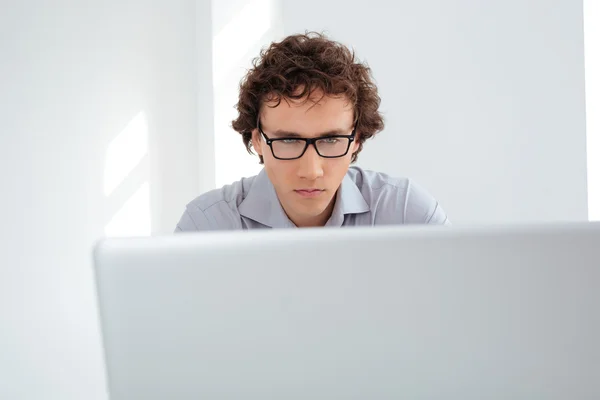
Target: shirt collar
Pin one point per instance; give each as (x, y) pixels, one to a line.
(262, 205)
(349, 200)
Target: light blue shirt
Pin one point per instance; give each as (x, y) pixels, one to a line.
(365, 198)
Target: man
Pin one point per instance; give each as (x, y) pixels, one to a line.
(306, 108)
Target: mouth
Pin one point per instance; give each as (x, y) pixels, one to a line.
(309, 193)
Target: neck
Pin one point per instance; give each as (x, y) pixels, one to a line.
(313, 221)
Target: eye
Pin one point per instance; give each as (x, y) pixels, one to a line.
(289, 141)
(330, 140)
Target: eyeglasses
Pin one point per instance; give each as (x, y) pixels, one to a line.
(292, 148)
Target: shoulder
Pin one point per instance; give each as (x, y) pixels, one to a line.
(216, 209)
(397, 199)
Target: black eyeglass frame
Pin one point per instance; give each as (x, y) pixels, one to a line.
(307, 142)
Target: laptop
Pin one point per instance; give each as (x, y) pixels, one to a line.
(405, 312)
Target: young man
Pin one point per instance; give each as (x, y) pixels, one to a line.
(306, 108)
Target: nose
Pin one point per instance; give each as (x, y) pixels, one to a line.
(310, 165)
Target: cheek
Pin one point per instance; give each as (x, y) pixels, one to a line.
(280, 172)
(336, 168)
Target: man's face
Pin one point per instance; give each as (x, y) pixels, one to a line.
(306, 187)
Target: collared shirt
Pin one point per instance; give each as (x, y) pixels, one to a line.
(365, 198)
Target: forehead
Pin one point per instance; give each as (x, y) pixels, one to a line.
(315, 115)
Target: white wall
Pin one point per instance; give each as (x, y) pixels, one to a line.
(74, 77)
(484, 101)
(592, 95)
(240, 29)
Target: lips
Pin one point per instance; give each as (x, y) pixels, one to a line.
(309, 192)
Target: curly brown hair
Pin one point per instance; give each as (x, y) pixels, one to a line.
(297, 67)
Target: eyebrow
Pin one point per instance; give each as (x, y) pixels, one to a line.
(334, 132)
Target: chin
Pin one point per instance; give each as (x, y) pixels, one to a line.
(314, 210)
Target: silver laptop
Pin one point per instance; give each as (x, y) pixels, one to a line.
(360, 313)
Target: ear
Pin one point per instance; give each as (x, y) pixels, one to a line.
(257, 142)
(355, 143)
